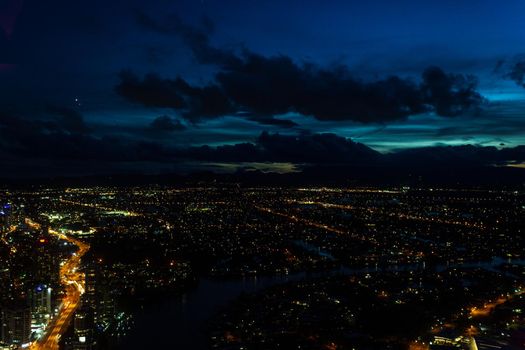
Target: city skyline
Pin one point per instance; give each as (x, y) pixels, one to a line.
(221, 266)
(262, 175)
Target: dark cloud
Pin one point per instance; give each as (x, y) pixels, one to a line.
(277, 85)
(512, 68)
(268, 86)
(331, 149)
(152, 91)
(450, 94)
(194, 103)
(69, 119)
(204, 102)
(457, 156)
(240, 152)
(500, 64)
(317, 148)
(44, 139)
(54, 119)
(302, 148)
(165, 123)
(195, 38)
(320, 156)
(283, 123)
(517, 72)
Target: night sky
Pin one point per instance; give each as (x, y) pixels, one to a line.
(95, 87)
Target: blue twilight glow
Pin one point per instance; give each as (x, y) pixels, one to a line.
(60, 61)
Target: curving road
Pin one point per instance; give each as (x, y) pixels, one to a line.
(73, 281)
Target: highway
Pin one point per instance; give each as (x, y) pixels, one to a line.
(100, 207)
(397, 215)
(488, 307)
(73, 282)
(318, 225)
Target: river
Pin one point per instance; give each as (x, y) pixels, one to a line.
(181, 322)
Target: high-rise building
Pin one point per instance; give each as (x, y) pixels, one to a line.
(41, 307)
(16, 325)
(83, 322)
(89, 297)
(40, 300)
(83, 330)
(47, 263)
(105, 309)
(99, 295)
(5, 217)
